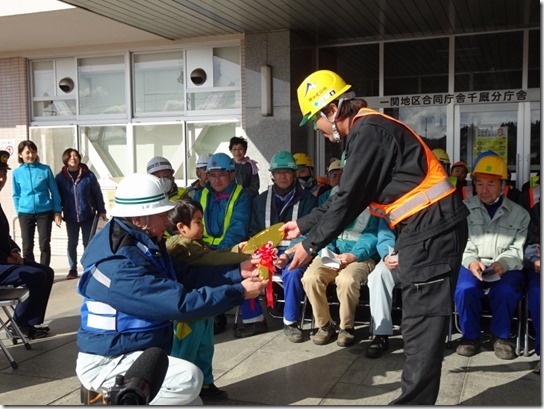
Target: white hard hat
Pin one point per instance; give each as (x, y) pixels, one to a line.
(140, 195)
(158, 163)
(203, 160)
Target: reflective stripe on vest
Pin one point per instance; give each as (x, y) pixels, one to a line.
(435, 186)
(214, 241)
(355, 229)
(268, 214)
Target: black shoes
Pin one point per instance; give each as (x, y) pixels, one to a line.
(213, 392)
(248, 330)
(72, 274)
(378, 346)
(31, 332)
(293, 332)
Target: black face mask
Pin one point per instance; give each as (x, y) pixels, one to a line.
(304, 178)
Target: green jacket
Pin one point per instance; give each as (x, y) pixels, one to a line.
(197, 253)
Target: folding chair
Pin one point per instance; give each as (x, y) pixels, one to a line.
(9, 298)
(486, 313)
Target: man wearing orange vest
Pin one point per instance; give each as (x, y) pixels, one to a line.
(390, 169)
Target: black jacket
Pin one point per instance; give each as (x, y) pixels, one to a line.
(383, 162)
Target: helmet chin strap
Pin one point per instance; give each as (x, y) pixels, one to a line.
(335, 133)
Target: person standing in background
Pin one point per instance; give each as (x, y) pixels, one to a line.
(37, 201)
(81, 200)
(161, 167)
(247, 173)
(18, 272)
(201, 174)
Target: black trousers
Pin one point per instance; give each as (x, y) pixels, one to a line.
(28, 223)
(39, 280)
(428, 273)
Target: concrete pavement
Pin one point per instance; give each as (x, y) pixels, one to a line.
(268, 369)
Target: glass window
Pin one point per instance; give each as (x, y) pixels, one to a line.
(226, 91)
(106, 149)
(51, 143)
(46, 100)
(160, 140)
(428, 122)
(158, 82)
(102, 85)
(416, 67)
(208, 137)
(534, 59)
(226, 67)
(359, 66)
(489, 61)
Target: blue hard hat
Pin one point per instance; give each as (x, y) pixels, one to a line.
(220, 161)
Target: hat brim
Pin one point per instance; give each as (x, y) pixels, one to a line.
(305, 119)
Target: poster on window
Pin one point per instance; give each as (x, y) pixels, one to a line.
(492, 138)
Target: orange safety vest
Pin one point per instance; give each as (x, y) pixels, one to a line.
(435, 186)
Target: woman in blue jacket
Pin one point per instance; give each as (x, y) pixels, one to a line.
(37, 201)
(81, 199)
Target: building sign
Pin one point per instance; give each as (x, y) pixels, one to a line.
(459, 98)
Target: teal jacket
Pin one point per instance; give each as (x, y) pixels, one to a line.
(35, 189)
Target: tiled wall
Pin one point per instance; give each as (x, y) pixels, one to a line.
(14, 118)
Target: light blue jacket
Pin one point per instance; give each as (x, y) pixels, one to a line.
(35, 190)
(364, 247)
(500, 239)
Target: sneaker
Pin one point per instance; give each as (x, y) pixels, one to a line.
(346, 337)
(293, 332)
(71, 275)
(248, 330)
(377, 346)
(213, 392)
(537, 368)
(468, 347)
(504, 349)
(324, 334)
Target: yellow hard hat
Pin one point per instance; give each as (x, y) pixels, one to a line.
(317, 91)
(441, 155)
(303, 160)
(491, 165)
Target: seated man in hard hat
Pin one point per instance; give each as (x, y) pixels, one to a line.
(284, 200)
(305, 173)
(132, 291)
(334, 173)
(227, 210)
(443, 158)
(458, 178)
(493, 258)
(227, 206)
(201, 175)
(162, 168)
(355, 252)
(532, 265)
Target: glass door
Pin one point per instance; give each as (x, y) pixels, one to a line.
(490, 127)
